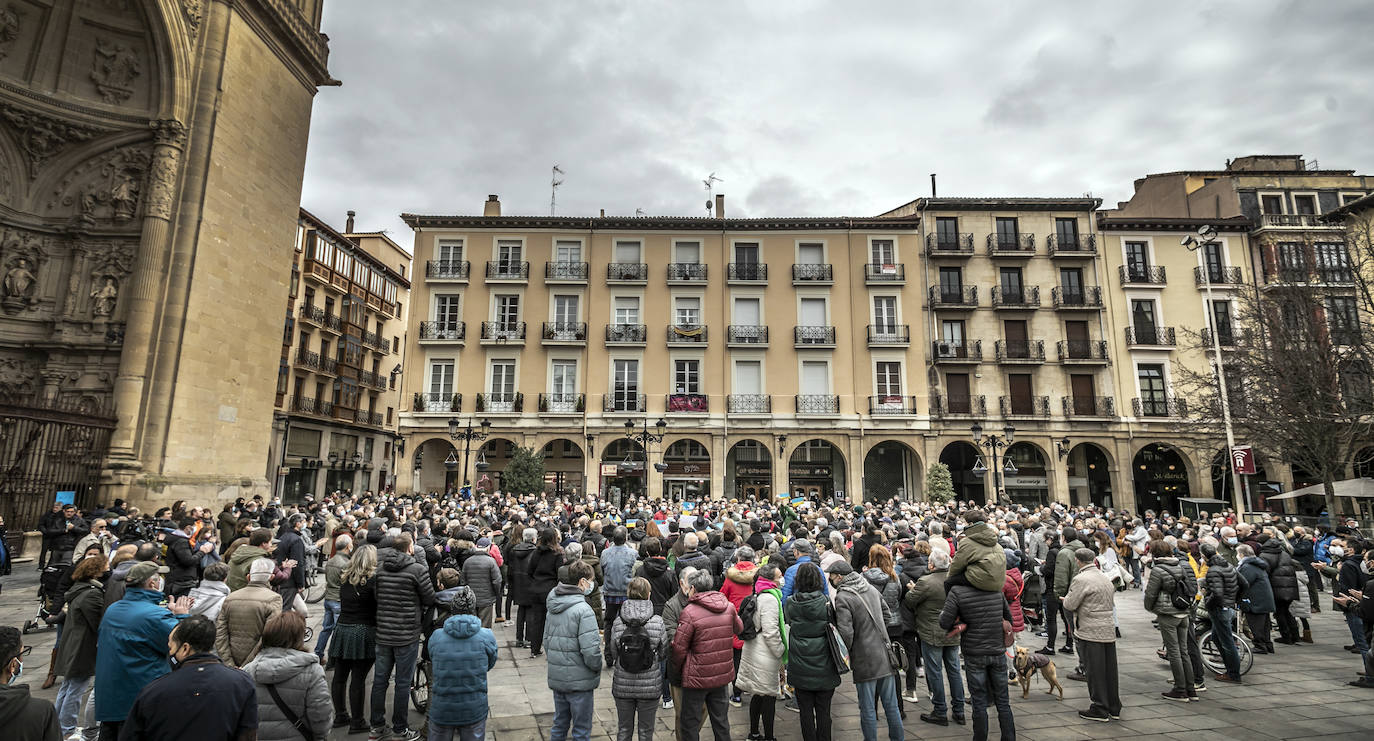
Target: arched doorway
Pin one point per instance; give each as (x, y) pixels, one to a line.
(488, 465)
(1160, 478)
(622, 471)
(891, 469)
(961, 457)
(816, 471)
(429, 473)
(563, 463)
(749, 471)
(1257, 487)
(1030, 485)
(1090, 476)
(687, 471)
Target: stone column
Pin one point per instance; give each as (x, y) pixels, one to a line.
(781, 482)
(141, 308)
(717, 479)
(72, 301)
(854, 469)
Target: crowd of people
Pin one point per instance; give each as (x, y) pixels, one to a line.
(189, 623)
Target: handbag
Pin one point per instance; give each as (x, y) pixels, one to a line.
(296, 721)
(1008, 635)
(839, 653)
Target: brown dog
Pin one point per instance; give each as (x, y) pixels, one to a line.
(1027, 664)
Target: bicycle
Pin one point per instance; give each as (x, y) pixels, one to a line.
(315, 582)
(1211, 650)
(419, 689)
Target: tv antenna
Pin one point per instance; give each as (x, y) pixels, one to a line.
(639, 212)
(554, 182)
(710, 183)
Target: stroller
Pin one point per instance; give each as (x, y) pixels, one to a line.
(49, 600)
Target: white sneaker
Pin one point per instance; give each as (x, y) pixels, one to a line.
(912, 696)
(667, 704)
(921, 672)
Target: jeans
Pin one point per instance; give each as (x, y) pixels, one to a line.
(815, 713)
(1223, 634)
(943, 660)
(987, 675)
(1099, 665)
(629, 713)
(402, 659)
(869, 694)
(712, 702)
(667, 688)
(475, 732)
(1174, 630)
(331, 618)
(68, 702)
(1356, 625)
(572, 716)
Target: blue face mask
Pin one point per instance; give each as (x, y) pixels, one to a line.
(15, 677)
(1232, 541)
(589, 588)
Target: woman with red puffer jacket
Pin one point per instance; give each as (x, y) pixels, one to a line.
(739, 583)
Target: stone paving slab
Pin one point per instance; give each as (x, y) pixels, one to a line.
(1299, 693)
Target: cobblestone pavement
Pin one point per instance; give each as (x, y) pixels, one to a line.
(1299, 693)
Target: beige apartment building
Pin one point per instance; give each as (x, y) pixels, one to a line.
(338, 384)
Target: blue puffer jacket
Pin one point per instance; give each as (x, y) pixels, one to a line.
(462, 652)
(131, 651)
(572, 641)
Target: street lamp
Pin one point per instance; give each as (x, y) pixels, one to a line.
(1206, 235)
(994, 444)
(467, 434)
(645, 438)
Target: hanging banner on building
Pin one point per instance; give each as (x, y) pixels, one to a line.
(1243, 459)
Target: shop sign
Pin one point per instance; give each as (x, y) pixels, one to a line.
(688, 469)
(805, 470)
(1026, 482)
(610, 469)
(752, 470)
(1243, 459)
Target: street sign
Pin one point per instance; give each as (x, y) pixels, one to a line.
(1243, 459)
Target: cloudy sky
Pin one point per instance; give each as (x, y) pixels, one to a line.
(805, 107)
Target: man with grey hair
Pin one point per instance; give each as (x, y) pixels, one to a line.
(516, 567)
(1226, 546)
(1092, 600)
(691, 556)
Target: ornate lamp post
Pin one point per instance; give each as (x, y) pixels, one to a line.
(644, 438)
(467, 434)
(995, 444)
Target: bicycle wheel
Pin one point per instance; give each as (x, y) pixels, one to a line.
(1247, 657)
(419, 689)
(314, 586)
(1211, 653)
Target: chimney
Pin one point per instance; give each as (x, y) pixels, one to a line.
(603, 213)
(720, 205)
(348, 225)
(492, 207)
(932, 185)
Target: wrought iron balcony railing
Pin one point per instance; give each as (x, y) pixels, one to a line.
(447, 269)
(818, 404)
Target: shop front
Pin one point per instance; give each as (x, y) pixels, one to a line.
(686, 471)
(816, 471)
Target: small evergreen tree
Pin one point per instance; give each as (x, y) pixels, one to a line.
(525, 472)
(939, 484)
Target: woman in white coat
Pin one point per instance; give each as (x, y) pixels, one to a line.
(760, 665)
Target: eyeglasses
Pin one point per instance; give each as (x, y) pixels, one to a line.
(23, 652)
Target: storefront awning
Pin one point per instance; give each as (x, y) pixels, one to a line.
(1360, 488)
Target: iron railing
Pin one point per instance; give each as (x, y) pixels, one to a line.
(562, 403)
(1025, 406)
(432, 402)
(812, 273)
(565, 331)
(1027, 297)
(623, 402)
(500, 402)
(1151, 275)
(1020, 245)
(818, 404)
(889, 334)
(686, 334)
(627, 271)
(686, 271)
(554, 270)
(503, 331)
(746, 334)
(625, 333)
(1082, 245)
(498, 270)
(957, 352)
(1082, 351)
(451, 269)
(953, 298)
(1217, 275)
(749, 403)
(891, 405)
(814, 336)
(1159, 405)
(1089, 406)
(748, 272)
(451, 331)
(942, 405)
(1162, 336)
(958, 244)
(687, 403)
(1087, 297)
(1020, 351)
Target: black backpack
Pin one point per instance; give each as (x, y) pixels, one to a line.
(748, 611)
(634, 652)
(1180, 598)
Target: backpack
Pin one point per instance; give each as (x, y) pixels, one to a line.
(748, 615)
(1179, 597)
(634, 652)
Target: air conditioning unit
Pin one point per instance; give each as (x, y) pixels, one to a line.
(945, 349)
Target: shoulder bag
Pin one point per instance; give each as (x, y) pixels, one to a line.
(839, 653)
(296, 721)
(894, 661)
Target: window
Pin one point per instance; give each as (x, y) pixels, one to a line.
(1333, 262)
(627, 252)
(952, 332)
(811, 254)
(885, 314)
(309, 296)
(1009, 279)
(1008, 235)
(889, 382)
(1066, 233)
(567, 252)
(449, 251)
(1071, 280)
(687, 376)
(1356, 387)
(748, 377)
(747, 253)
(441, 380)
(1154, 401)
(947, 232)
(747, 312)
(1212, 258)
(627, 310)
(882, 252)
(1305, 205)
(1221, 322)
(508, 255)
(815, 377)
(1271, 204)
(1292, 261)
(502, 381)
(811, 312)
(688, 312)
(507, 312)
(625, 385)
(1137, 261)
(688, 253)
(951, 285)
(1342, 318)
(1143, 321)
(446, 312)
(564, 310)
(564, 378)
(1347, 198)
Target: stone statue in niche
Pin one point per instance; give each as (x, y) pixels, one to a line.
(9, 28)
(18, 285)
(114, 71)
(124, 196)
(104, 297)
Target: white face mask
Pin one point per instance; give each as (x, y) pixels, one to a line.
(1337, 551)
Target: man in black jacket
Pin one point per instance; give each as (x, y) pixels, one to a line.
(211, 700)
(1049, 599)
(183, 561)
(51, 524)
(24, 718)
(1223, 587)
(291, 547)
(64, 532)
(984, 651)
(404, 594)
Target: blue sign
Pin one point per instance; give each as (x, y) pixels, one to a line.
(66, 497)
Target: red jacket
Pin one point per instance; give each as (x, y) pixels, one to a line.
(739, 583)
(704, 643)
(1011, 589)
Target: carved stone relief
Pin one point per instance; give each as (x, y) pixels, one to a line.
(18, 376)
(194, 11)
(21, 256)
(42, 137)
(113, 70)
(9, 28)
(105, 188)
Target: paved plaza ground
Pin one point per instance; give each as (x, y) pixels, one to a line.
(1299, 693)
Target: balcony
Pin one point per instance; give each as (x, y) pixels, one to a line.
(956, 353)
(953, 298)
(1082, 352)
(1015, 247)
(1030, 407)
(1151, 336)
(746, 272)
(686, 334)
(891, 406)
(1159, 406)
(1017, 352)
(746, 335)
(960, 245)
(503, 333)
(307, 359)
(565, 272)
(946, 407)
(443, 332)
(364, 417)
(1081, 246)
(1225, 337)
(562, 403)
(749, 404)
(632, 273)
(451, 270)
(330, 366)
(885, 274)
(818, 404)
(686, 404)
(622, 402)
(565, 333)
(1297, 273)
(1295, 221)
(686, 272)
(1348, 336)
(1336, 276)
(373, 380)
(1089, 406)
(504, 271)
(500, 403)
(1217, 275)
(1141, 275)
(431, 402)
(625, 334)
(306, 405)
(1076, 299)
(312, 314)
(376, 342)
(1016, 299)
(814, 336)
(813, 275)
(889, 335)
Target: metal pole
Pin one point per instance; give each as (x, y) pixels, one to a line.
(1237, 491)
(467, 447)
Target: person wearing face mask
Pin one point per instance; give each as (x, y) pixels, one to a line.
(573, 643)
(1349, 576)
(24, 718)
(212, 701)
(139, 625)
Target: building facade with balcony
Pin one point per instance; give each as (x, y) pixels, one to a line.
(341, 373)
